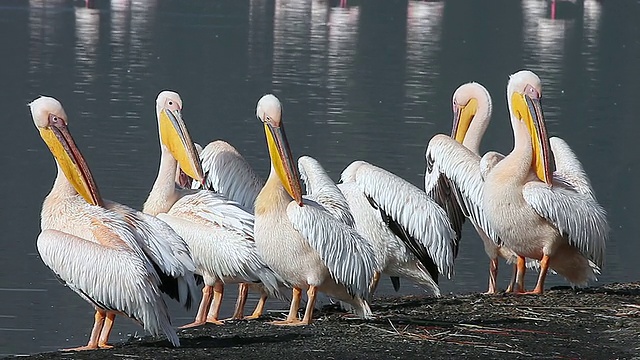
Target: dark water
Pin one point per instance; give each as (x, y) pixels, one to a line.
(372, 81)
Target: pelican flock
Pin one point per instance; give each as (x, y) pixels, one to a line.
(210, 215)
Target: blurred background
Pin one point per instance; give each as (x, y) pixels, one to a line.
(359, 80)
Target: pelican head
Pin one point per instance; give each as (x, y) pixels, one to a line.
(524, 92)
(468, 100)
(269, 111)
(174, 135)
(51, 121)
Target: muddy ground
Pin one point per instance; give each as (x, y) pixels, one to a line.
(594, 323)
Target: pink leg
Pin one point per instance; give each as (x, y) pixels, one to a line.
(202, 309)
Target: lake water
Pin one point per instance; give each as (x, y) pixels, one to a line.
(370, 81)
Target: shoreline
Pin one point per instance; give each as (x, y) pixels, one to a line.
(600, 322)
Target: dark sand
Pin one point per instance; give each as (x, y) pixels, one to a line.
(594, 323)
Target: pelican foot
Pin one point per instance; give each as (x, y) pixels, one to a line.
(535, 291)
(215, 321)
(295, 322)
(105, 346)
(251, 317)
(82, 348)
(192, 325)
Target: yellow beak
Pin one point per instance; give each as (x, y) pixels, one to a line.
(282, 161)
(174, 135)
(462, 117)
(71, 161)
(529, 110)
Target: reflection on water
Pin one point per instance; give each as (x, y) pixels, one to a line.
(370, 81)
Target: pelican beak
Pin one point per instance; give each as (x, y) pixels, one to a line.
(174, 135)
(71, 161)
(528, 109)
(282, 160)
(462, 117)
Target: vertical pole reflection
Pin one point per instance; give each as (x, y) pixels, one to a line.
(424, 21)
(87, 36)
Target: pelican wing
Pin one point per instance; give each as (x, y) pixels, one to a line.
(110, 278)
(580, 218)
(416, 218)
(166, 249)
(569, 171)
(346, 254)
(227, 172)
(461, 168)
(220, 234)
(322, 190)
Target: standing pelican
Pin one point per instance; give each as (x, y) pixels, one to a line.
(472, 113)
(219, 231)
(228, 173)
(303, 243)
(410, 234)
(553, 218)
(114, 257)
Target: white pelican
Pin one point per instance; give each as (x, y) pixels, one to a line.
(410, 234)
(218, 231)
(116, 258)
(308, 247)
(228, 173)
(553, 218)
(472, 113)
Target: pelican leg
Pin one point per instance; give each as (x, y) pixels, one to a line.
(544, 268)
(259, 308)
(521, 268)
(374, 282)
(214, 309)
(311, 301)
(243, 290)
(512, 282)
(493, 274)
(106, 331)
(292, 318)
(202, 309)
(95, 333)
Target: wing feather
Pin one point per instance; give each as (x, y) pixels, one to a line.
(346, 254)
(322, 190)
(577, 216)
(227, 172)
(108, 277)
(461, 167)
(412, 209)
(166, 249)
(569, 170)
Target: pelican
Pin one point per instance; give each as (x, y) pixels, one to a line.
(472, 113)
(411, 235)
(117, 259)
(302, 242)
(228, 173)
(219, 231)
(551, 217)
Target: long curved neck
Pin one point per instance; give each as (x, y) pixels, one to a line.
(163, 194)
(273, 196)
(478, 125)
(520, 158)
(61, 192)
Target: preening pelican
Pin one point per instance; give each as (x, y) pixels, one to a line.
(116, 258)
(453, 177)
(553, 218)
(302, 242)
(218, 231)
(410, 234)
